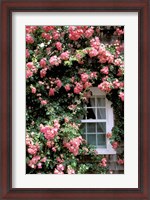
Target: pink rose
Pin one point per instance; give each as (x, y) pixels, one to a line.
(60, 167)
(33, 90)
(105, 86)
(115, 145)
(56, 171)
(56, 35)
(39, 165)
(51, 92)
(43, 62)
(46, 36)
(29, 73)
(29, 39)
(48, 28)
(84, 77)
(95, 43)
(105, 70)
(92, 52)
(27, 53)
(78, 88)
(58, 46)
(120, 161)
(54, 149)
(70, 170)
(32, 150)
(89, 32)
(43, 102)
(43, 159)
(58, 83)
(121, 95)
(87, 85)
(54, 60)
(67, 87)
(65, 55)
(29, 65)
(43, 73)
(109, 135)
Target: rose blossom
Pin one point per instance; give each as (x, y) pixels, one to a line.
(54, 149)
(92, 52)
(105, 70)
(46, 36)
(109, 135)
(29, 65)
(33, 90)
(27, 53)
(84, 77)
(105, 86)
(56, 35)
(120, 161)
(87, 85)
(93, 75)
(78, 88)
(58, 83)
(54, 60)
(43, 62)
(39, 165)
(50, 143)
(70, 170)
(56, 171)
(65, 55)
(121, 95)
(51, 92)
(103, 162)
(60, 167)
(115, 145)
(43, 72)
(89, 32)
(58, 46)
(43, 159)
(120, 72)
(48, 28)
(29, 73)
(29, 39)
(95, 43)
(43, 102)
(116, 84)
(67, 87)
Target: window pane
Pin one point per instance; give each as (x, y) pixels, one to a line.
(101, 102)
(91, 128)
(83, 127)
(91, 139)
(84, 136)
(101, 139)
(91, 114)
(101, 127)
(101, 113)
(92, 101)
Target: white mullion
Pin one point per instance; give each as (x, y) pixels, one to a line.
(93, 120)
(96, 105)
(86, 130)
(96, 118)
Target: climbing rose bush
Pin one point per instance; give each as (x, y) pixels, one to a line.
(62, 63)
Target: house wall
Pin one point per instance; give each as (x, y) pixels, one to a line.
(112, 162)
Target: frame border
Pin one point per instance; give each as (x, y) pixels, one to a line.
(143, 9)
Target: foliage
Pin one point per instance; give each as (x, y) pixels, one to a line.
(62, 63)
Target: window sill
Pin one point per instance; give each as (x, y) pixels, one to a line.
(106, 151)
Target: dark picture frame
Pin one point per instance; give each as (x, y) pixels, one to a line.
(143, 9)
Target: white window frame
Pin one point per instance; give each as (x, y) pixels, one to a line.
(109, 121)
